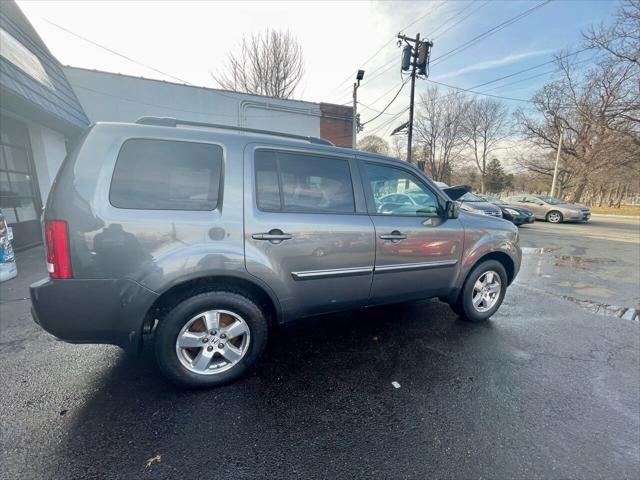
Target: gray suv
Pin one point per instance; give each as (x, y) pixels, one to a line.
(203, 238)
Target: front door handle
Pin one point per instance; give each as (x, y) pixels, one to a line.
(394, 236)
(275, 235)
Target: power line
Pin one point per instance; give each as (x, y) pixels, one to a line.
(388, 122)
(533, 76)
(373, 109)
(487, 33)
(531, 68)
(382, 70)
(110, 50)
(459, 21)
(430, 12)
(478, 93)
(389, 104)
(116, 53)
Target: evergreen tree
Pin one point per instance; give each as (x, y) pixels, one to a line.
(496, 178)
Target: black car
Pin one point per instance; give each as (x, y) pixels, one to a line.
(513, 213)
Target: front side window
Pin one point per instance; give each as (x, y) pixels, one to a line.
(398, 192)
(296, 182)
(167, 175)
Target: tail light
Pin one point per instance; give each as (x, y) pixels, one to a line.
(58, 254)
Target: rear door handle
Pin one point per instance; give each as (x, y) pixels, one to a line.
(274, 235)
(394, 236)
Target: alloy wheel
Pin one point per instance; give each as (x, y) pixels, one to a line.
(213, 342)
(554, 217)
(486, 291)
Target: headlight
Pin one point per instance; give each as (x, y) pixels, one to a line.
(511, 211)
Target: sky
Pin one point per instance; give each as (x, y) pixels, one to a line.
(190, 40)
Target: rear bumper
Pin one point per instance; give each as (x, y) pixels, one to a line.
(92, 311)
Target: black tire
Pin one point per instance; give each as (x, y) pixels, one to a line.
(170, 326)
(464, 305)
(551, 217)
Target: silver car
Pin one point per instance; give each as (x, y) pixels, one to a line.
(200, 239)
(551, 209)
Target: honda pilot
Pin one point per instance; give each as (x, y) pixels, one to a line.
(202, 238)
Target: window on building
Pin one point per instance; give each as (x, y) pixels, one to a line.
(297, 182)
(167, 175)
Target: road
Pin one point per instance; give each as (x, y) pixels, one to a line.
(597, 262)
(543, 390)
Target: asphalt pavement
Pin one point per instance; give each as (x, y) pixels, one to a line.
(545, 389)
(596, 264)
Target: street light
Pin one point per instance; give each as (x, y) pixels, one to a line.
(555, 170)
(558, 122)
(359, 77)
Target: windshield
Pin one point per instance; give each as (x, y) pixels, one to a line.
(470, 197)
(549, 200)
(495, 200)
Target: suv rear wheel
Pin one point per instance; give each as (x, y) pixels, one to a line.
(210, 338)
(483, 292)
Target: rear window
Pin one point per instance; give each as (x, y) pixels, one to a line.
(167, 175)
(295, 182)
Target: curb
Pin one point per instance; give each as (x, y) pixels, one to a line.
(608, 215)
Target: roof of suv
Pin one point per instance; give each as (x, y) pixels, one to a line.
(170, 122)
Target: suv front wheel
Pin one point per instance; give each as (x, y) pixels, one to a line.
(483, 292)
(210, 338)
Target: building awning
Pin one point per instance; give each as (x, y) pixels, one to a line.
(32, 83)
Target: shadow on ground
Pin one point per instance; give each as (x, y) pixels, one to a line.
(320, 399)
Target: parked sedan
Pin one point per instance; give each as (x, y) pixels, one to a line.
(551, 209)
(513, 213)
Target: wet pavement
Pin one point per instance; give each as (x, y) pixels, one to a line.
(543, 390)
(596, 265)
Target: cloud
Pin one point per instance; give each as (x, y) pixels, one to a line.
(498, 62)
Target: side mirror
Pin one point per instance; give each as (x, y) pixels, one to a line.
(452, 209)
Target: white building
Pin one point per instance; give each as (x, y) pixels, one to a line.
(114, 97)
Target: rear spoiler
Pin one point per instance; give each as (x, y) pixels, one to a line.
(456, 192)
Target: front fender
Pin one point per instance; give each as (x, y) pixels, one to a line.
(486, 245)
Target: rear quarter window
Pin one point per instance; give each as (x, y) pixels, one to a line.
(167, 175)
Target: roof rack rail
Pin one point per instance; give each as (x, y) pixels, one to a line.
(173, 122)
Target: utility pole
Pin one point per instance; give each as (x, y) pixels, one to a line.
(413, 89)
(355, 125)
(420, 52)
(555, 170)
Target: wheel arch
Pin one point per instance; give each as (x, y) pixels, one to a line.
(206, 283)
(506, 261)
(503, 258)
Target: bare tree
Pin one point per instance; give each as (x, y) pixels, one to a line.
(594, 112)
(270, 63)
(439, 130)
(484, 127)
(399, 146)
(621, 39)
(374, 144)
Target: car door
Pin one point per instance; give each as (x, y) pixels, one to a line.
(417, 250)
(307, 232)
(538, 207)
